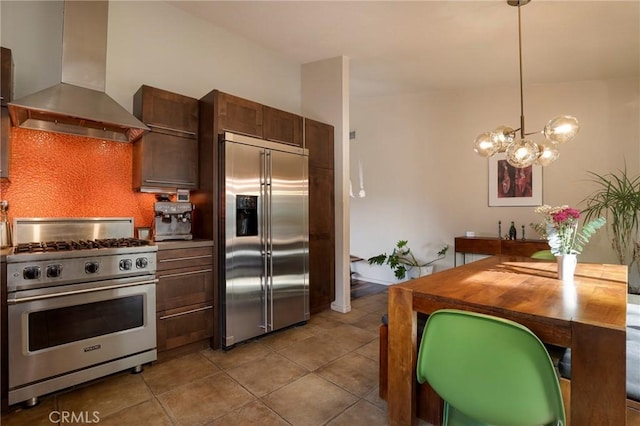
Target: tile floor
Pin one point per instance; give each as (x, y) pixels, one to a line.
(321, 373)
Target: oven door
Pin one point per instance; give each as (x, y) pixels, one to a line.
(63, 329)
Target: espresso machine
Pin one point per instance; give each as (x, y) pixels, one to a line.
(172, 220)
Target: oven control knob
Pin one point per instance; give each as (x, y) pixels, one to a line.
(31, 273)
(91, 267)
(125, 264)
(54, 271)
(142, 262)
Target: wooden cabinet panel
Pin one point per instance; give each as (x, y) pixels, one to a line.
(185, 297)
(184, 258)
(321, 204)
(181, 327)
(6, 76)
(282, 126)
(523, 247)
(240, 115)
(321, 274)
(5, 142)
(165, 161)
(318, 139)
(166, 112)
(319, 142)
(166, 158)
(183, 287)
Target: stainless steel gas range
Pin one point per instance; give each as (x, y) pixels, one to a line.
(81, 303)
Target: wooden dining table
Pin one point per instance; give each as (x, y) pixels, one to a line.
(587, 315)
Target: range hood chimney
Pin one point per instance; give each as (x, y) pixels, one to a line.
(79, 105)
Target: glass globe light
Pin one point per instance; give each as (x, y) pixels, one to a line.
(502, 136)
(484, 146)
(561, 129)
(549, 153)
(522, 153)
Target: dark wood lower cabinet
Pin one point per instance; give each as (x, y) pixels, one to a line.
(185, 308)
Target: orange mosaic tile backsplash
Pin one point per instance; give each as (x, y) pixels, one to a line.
(55, 175)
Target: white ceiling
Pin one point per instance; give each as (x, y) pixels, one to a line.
(404, 47)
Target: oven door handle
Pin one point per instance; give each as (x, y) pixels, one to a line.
(16, 300)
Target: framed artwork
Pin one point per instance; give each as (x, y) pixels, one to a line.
(511, 186)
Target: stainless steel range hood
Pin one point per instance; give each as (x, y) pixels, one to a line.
(79, 105)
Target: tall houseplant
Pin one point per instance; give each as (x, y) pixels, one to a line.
(402, 260)
(617, 197)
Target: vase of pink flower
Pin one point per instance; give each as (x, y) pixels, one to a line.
(561, 229)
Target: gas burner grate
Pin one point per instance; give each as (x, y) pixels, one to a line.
(51, 246)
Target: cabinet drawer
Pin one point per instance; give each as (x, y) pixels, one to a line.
(180, 327)
(182, 287)
(184, 258)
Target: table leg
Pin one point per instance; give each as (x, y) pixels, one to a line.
(598, 375)
(401, 395)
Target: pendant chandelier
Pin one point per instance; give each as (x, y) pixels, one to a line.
(522, 151)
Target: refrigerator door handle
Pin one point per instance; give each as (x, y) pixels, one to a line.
(269, 240)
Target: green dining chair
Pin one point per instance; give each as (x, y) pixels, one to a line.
(543, 254)
(489, 371)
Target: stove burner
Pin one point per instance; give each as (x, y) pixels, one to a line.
(51, 246)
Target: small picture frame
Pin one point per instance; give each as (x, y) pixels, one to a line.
(512, 186)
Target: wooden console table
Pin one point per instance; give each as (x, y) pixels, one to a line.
(496, 246)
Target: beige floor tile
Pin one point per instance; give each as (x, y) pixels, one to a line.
(205, 400)
(350, 317)
(36, 416)
(314, 352)
(175, 372)
(349, 337)
(267, 375)
(371, 350)
(353, 372)
(243, 353)
(147, 413)
(369, 322)
(286, 337)
(320, 324)
(106, 396)
(309, 401)
(361, 414)
(254, 413)
(373, 396)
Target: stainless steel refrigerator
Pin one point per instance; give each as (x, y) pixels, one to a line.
(266, 237)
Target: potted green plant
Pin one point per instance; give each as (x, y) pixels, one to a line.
(402, 260)
(617, 197)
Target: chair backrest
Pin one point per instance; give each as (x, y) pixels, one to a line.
(490, 369)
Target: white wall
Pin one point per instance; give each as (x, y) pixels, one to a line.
(33, 32)
(424, 183)
(153, 43)
(159, 45)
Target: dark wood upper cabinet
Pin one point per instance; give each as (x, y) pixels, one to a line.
(165, 161)
(6, 76)
(282, 126)
(5, 142)
(166, 112)
(166, 158)
(239, 115)
(318, 139)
